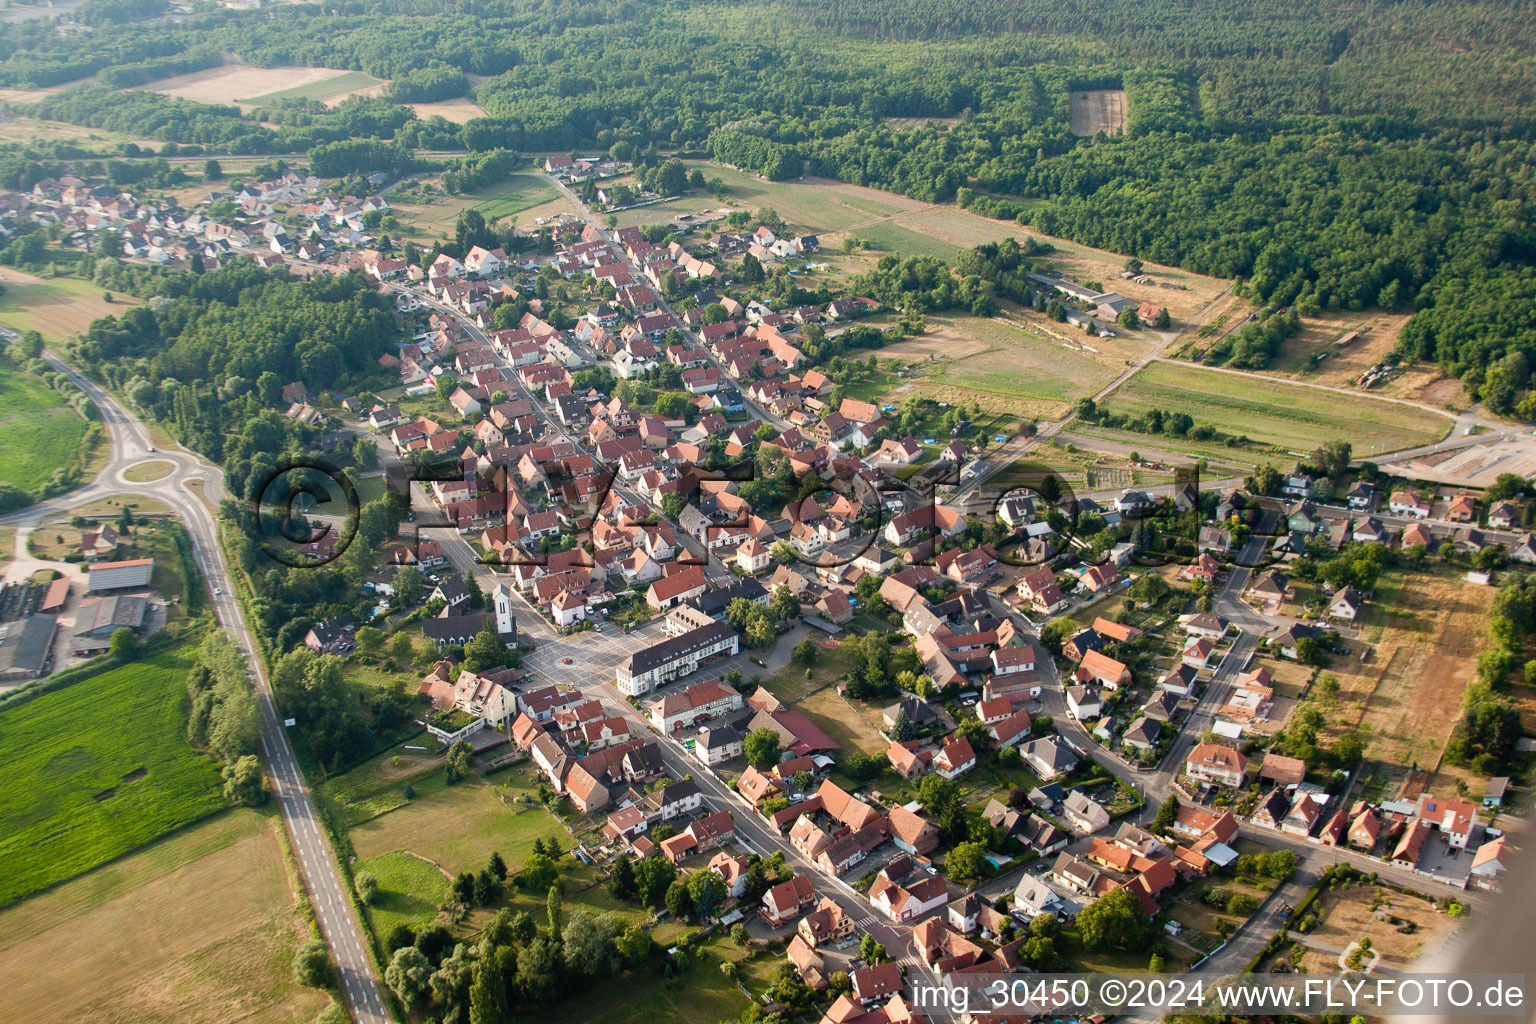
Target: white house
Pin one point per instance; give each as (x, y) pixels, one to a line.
(1406, 503)
(1083, 813)
(907, 903)
(568, 608)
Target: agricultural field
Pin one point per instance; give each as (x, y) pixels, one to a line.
(39, 433)
(435, 218)
(97, 769)
(1098, 110)
(809, 204)
(1223, 460)
(1273, 412)
(457, 110)
(54, 307)
(337, 87)
(518, 193)
(1424, 629)
(249, 86)
(891, 236)
(198, 928)
(1006, 369)
(32, 130)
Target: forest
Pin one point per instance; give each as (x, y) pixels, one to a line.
(210, 352)
(1327, 158)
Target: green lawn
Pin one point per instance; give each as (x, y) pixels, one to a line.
(1009, 371)
(404, 844)
(1217, 453)
(806, 206)
(410, 891)
(97, 769)
(458, 826)
(378, 785)
(39, 433)
(1274, 412)
(371, 488)
(789, 682)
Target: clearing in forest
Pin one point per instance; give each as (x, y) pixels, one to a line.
(1098, 110)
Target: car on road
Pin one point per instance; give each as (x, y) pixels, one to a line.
(151, 448)
(218, 592)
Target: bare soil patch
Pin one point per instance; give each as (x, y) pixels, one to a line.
(458, 111)
(1346, 915)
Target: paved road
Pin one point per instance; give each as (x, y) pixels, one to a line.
(312, 855)
(755, 832)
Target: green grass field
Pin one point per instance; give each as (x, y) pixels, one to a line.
(38, 431)
(808, 206)
(404, 844)
(518, 193)
(1274, 412)
(410, 891)
(97, 769)
(459, 826)
(435, 218)
(889, 236)
(1246, 459)
(321, 90)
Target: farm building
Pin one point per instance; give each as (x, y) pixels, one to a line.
(120, 575)
(26, 647)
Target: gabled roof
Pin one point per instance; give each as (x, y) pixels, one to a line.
(1285, 771)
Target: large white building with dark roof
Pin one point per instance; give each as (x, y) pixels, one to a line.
(674, 658)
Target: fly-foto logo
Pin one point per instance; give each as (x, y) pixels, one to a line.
(305, 512)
